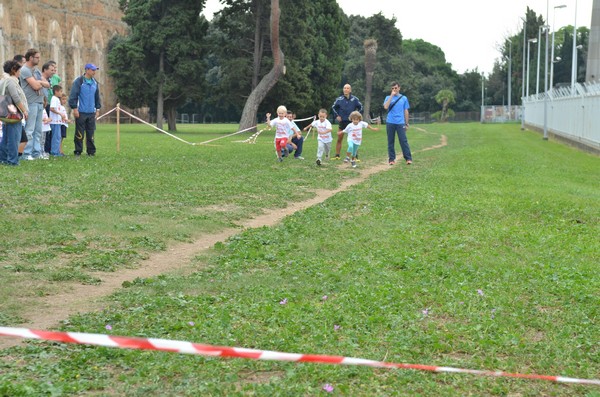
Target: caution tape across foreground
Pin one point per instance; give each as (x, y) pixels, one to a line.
(253, 354)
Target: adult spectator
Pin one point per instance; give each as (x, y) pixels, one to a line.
(33, 85)
(342, 107)
(84, 99)
(48, 71)
(11, 133)
(397, 123)
(19, 58)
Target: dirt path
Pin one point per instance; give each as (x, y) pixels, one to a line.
(87, 298)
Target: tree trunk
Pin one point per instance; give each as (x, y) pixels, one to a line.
(258, 43)
(270, 79)
(160, 100)
(172, 119)
(370, 46)
(444, 110)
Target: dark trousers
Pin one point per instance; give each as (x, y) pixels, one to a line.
(299, 142)
(400, 130)
(85, 126)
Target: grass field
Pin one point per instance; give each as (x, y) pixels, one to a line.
(483, 254)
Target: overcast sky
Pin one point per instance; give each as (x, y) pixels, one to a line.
(468, 31)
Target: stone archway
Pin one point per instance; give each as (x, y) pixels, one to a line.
(55, 41)
(98, 54)
(77, 44)
(5, 42)
(30, 28)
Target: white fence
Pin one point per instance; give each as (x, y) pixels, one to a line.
(573, 116)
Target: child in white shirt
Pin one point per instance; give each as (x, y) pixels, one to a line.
(324, 139)
(283, 127)
(58, 117)
(354, 131)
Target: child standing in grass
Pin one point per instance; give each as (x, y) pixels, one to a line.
(59, 116)
(65, 123)
(283, 128)
(354, 131)
(323, 127)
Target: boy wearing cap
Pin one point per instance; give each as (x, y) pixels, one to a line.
(84, 99)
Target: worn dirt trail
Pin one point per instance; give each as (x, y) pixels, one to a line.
(87, 298)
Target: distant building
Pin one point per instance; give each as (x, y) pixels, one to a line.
(72, 33)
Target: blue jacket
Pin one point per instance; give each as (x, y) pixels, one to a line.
(344, 106)
(86, 100)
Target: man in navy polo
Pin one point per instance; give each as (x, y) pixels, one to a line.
(342, 107)
(84, 99)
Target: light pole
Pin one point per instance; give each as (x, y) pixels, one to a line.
(552, 56)
(509, 76)
(579, 47)
(482, 97)
(574, 61)
(523, 76)
(537, 78)
(534, 40)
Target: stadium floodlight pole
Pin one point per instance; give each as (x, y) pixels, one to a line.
(482, 97)
(509, 77)
(547, 27)
(534, 40)
(552, 51)
(537, 78)
(574, 60)
(523, 75)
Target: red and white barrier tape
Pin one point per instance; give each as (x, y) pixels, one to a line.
(252, 354)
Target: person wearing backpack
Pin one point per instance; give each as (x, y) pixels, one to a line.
(397, 123)
(84, 100)
(11, 133)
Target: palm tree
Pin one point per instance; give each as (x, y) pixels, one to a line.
(370, 46)
(444, 98)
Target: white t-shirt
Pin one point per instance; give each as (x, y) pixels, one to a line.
(46, 124)
(55, 104)
(355, 131)
(62, 109)
(283, 127)
(323, 130)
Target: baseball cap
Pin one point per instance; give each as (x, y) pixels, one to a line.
(91, 66)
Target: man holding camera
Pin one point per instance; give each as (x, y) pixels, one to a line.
(397, 123)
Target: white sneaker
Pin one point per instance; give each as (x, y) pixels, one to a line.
(299, 158)
(45, 156)
(28, 157)
(347, 159)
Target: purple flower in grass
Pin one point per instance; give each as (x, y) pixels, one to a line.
(324, 298)
(283, 301)
(425, 312)
(480, 292)
(191, 323)
(336, 327)
(328, 388)
(108, 327)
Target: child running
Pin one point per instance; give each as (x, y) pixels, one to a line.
(323, 127)
(354, 131)
(283, 128)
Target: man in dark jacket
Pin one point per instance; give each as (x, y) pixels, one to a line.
(84, 99)
(342, 107)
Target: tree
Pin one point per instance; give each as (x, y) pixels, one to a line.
(444, 98)
(268, 81)
(161, 60)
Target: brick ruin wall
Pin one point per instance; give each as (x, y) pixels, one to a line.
(72, 33)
